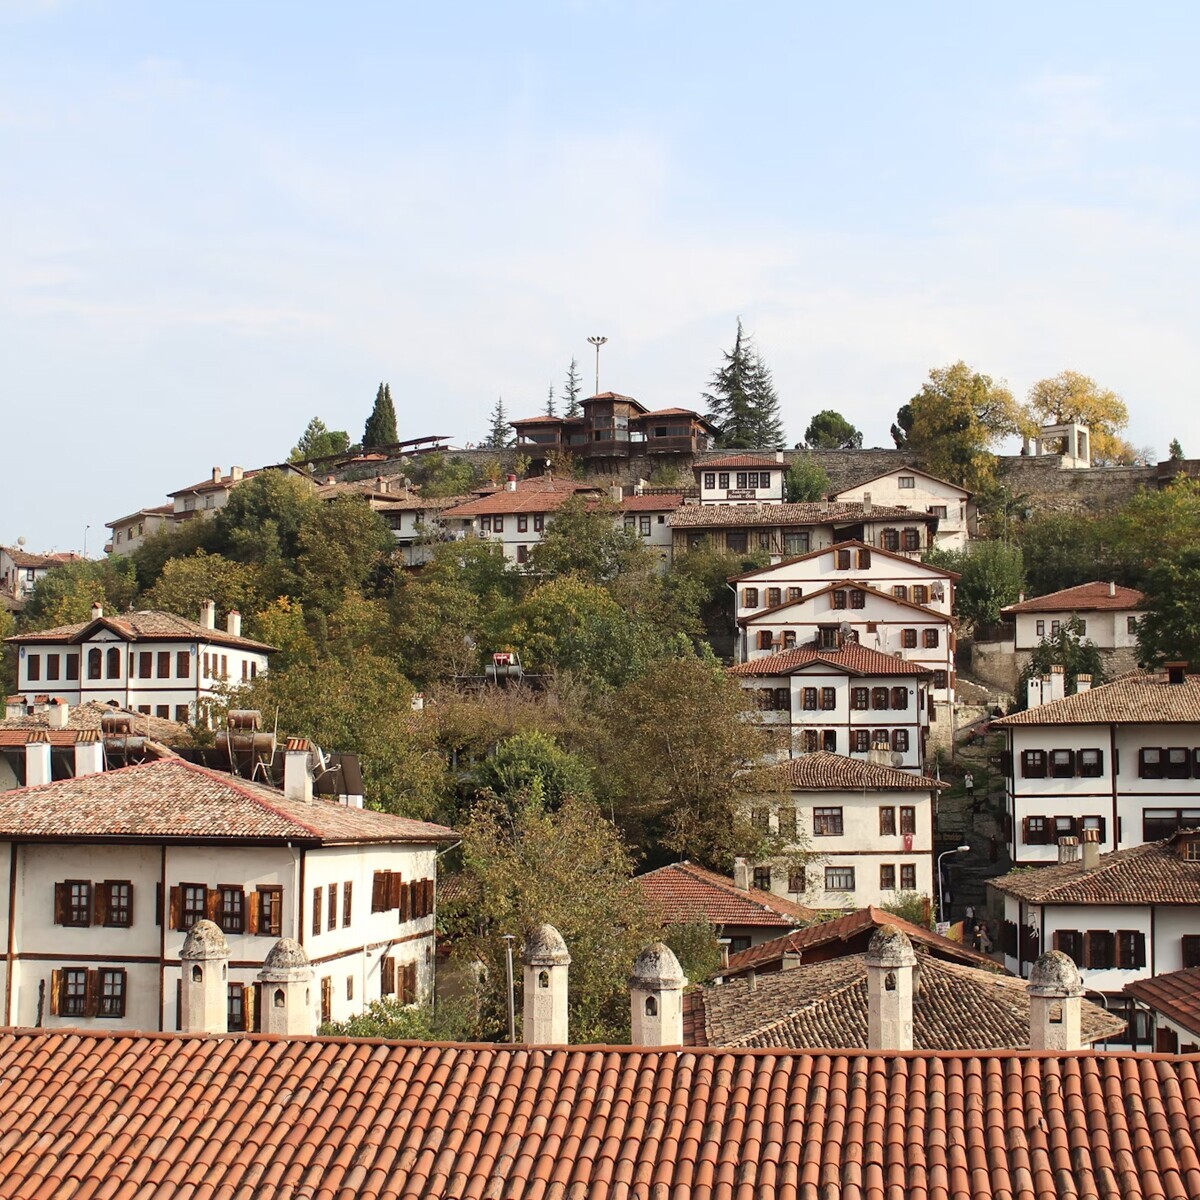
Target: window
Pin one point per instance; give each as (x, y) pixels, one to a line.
(181, 713)
(1099, 824)
(900, 741)
(774, 597)
(843, 560)
(347, 902)
(644, 526)
(794, 594)
(764, 540)
(183, 664)
(750, 597)
(522, 554)
(1178, 763)
(497, 524)
(796, 882)
(1039, 629)
(1159, 823)
(270, 904)
(317, 924)
(231, 909)
(941, 681)
(235, 1008)
(828, 699)
(864, 558)
(760, 818)
(33, 667)
(861, 741)
(111, 1001)
(73, 666)
(1062, 764)
(522, 523)
(1130, 945)
(929, 638)
(326, 999)
(789, 639)
(1055, 626)
(795, 543)
(1033, 764)
(741, 480)
(1091, 763)
(224, 666)
(723, 479)
(74, 992)
(906, 481)
(1189, 850)
(809, 699)
(1150, 763)
(810, 741)
(333, 905)
(1063, 827)
(539, 522)
(1037, 831)
(164, 664)
(900, 591)
(94, 659)
(920, 594)
(145, 664)
(908, 639)
(485, 524)
(52, 666)
(879, 698)
(889, 539)
(764, 639)
(937, 510)
(899, 698)
(1070, 942)
(73, 902)
(887, 877)
(163, 711)
(829, 741)
(114, 903)
(858, 598)
(881, 739)
(908, 819)
(1099, 949)
(827, 637)
(839, 879)
(912, 539)
(887, 821)
(762, 878)
(112, 668)
(827, 822)
(710, 479)
(838, 599)
(1131, 626)
(908, 877)
(1190, 949)
(860, 698)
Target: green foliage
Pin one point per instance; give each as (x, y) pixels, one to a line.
(185, 583)
(912, 907)
(696, 946)
(450, 1021)
(829, 430)
(534, 758)
(281, 624)
(551, 410)
(742, 402)
(670, 475)
(1069, 649)
(1070, 396)
(438, 475)
(318, 441)
(178, 541)
(902, 426)
(586, 538)
(380, 429)
(1064, 549)
(342, 543)
(1176, 451)
(1169, 629)
(703, 577)
(993, 575)
(571, 391)
(806, 480)
(66, 593)
(499, 432)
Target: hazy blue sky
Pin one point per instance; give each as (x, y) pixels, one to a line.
(220, 219)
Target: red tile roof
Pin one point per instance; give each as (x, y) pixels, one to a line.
(88, 716)
(1175, 995)
(741, 460)
(820, 771)
(531, 496)
(143, 625)
(1144, 698)
(736, 516)
(659, 503)
(854, 659)
(684, 891)
(1085, 597)
(128, 1116)
(848, 544)
(24, 558)
(171, 798)
(215, 485)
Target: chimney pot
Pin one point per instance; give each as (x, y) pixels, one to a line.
(1176, 672)
(57, 712)
(510, 483)
(1068, 850)
(741, 873)
(216, 475)
(208, 614)
(1091, 849)
(1112, 589)
(97, 610)
(236, 474)
(297, 771)
(233, 623)
(779, 456)
(37, 758)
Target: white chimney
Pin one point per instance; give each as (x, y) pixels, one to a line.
(546, 963)
(286, 976)
(890, 963)
(216, 475)
(208, 614)
(233, 623)
(741, 873)
(97, 610)
(1068, 850)
(1020, 597)
(1083, 683)
(89, 753)
(37, 758)
(656, 998)
(616, 492)
(297, 771)
(779, 456)
(867, 507)
(1055, 995)
(57, 712)
(205, 991)
(1091, 849)
(236, 473)
(1036, 691)
(510, 483)
(1058, 682)
(1112, 589)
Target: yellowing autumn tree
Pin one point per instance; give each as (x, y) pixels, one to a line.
(1070, 396)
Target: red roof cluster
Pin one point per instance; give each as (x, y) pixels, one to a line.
(1175, 995)
(741, 460)
(1085, 597)
(853, 658)
(684, 891)
(540, 494)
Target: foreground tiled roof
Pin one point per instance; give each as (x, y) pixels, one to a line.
(853, 658)
(144, 625)
(1085, 597)
(820, 771)
(1152, 873)
(741, 460)
(1137, 698)
(172, 798)
(88, 716)
(826, 934)
(24, 558)
(161, 1116)
(684, 891)
(739, 516)
(531, 496)
(823, 1005)
(1175, 995)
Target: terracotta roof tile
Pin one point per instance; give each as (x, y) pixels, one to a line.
(88, 716)
(1152, 873)
(823, 1005)
(174, 798)
(821, 770)
(736, 516)
(1176, 995)
(659, 503)
(906, 470)
(133, 1116)
(741, 460)
(531, 496)
(143, 624)
(854, 659)
(684, 891)
(1085, 597)
(24, 558)
(848, 544)
(1136, 698)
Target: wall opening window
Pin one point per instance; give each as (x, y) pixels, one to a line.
(908, 877)
(839, 879)
(113, 665)
(827, 822)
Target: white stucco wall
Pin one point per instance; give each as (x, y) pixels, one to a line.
(923, 495)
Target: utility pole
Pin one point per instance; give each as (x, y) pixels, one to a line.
(597, 342)
(512, 999)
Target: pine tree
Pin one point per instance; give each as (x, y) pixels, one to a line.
(571, 391)
(764, 402)
(498, 437)
(730, 402)
(550, 402)
(381, 424)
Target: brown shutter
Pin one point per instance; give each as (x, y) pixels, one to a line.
(395, 889)
(176, 908)
(387, 975)
(93, 994)
(253, 911)
(212, 904)
(101, 904)
(56, 986)
(430, 896)
(250, 995)
(377, 894)
(60, 905)
(131, 891)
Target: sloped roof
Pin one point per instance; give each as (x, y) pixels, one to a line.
(659, 503)
(1152, 873)
(685, 891)
(142, 625)
(217, 485)
(1139, 698)
(1176, 995)
(820, 771)
(844, 929)
(24, 558)
(171, 798)
(1084, 597)
(905, 471)
(736, 516)
(531, 496)
(823, 1005)
(853, 659)
(838, 586)
(848, 544)
(278, 1118)
(87, 717)
(740, 460)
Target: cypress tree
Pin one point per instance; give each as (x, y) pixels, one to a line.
(499, 436)
(380, 429)
(550, 402)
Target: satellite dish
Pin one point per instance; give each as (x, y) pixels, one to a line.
(20, 541)
(320, 761)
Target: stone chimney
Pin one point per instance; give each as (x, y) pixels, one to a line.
(546, 962)
(233, 623)
(208, 614)
(37, 758)
(1091, 849)
(97, 610)
(89, 753)
(867, 507)
(1055, 994)
(287, 993)
(1068, 850)
(656, 998)
(236, 474)
(779, 456)
(1083, 683)
(57, 712)
(297, 770)
(510, 483)
(741, 873)
(204, 995)
(1112, 589)
(890, 964)
(216, 475)
(1058, 682)
(616, 493)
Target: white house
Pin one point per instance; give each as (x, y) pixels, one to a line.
(741, 479)
(1130, 915)
(1107, 615)
(127, 533)
(850, 701)
(148, 661)
(868, 826)
(1122, 760)
(908, 487)
(102, 876)
(20, 571)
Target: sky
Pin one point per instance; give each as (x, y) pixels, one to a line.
(219, 220)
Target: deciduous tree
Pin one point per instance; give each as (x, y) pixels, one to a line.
(185, 583)
(1070, 396)
(806, 480)
(829, 430)
(993, 575)
(533, 757)
(66, 593)
(342, 545)
(1169, 628)
(1069, 649)
(587, 538)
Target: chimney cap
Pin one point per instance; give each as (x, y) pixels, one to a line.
(37, 737)
(544, 947)
(890, 947)
(205, 941)
(657, 968)
(1055, 975)
(297, 745)
(286, 955)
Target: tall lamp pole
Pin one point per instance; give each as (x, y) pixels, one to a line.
(597, 342)
(941, 885)
(512, 1000)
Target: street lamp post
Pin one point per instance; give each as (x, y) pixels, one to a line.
(597, 342)
(941, 885)
(512, 999)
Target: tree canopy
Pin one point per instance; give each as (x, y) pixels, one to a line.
(317, 441)
(742, 402)
(1070, 396)
(380, 429)
(829, 430)
(572, 389)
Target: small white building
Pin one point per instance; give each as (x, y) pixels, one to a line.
(1107, 615)
(868, 826)
(127, 533)
(102, 876)
(148, 661)
(648, 515)
(742, 479)
(1122, 917)
(20, 572)
(1122, 759)
(1070, 441)
(849, 701)
(908, 487)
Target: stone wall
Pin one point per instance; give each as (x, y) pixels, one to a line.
(1000, 664)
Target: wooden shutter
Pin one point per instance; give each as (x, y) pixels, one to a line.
(379, 892)
(60, 904)
(212, 905)
(251, 994)
(158, 904)
(387, 975)
(176, 908)
(316, 911)
(103, 902)
(93, 994)
(395, 889)
(178, 1004)
(409, 995)
(406, 902)
(56, 987)
(326, 998)
(253, 912)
